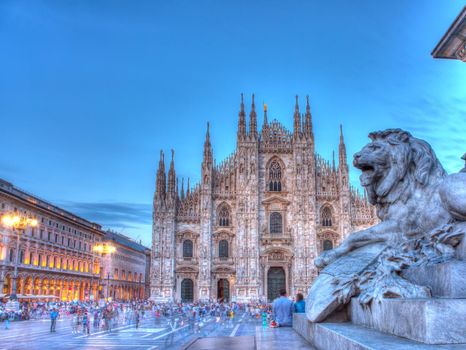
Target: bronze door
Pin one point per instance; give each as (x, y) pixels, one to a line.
(275, 282)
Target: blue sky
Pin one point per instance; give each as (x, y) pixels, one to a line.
(90, 91)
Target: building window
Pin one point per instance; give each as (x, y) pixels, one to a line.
(41, 234)
(326, 217)
(328, 245)
(276, 224)
(224, 217)
(188, 249)
(223, 249)
(275, 177)
(11, 254)
(115, 275)
(21, 257)
(31, 258)
(49, 235)
(56, 237)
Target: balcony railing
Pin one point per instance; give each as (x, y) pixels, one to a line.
(268, 238)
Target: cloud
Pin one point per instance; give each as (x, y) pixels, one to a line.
(125, 215)
(439, 121)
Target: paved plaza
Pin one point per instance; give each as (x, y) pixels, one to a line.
(151, 334)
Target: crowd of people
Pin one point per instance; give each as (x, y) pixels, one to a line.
(87, 317)
(83, 316)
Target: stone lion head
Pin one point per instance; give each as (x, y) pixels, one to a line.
(396, 162)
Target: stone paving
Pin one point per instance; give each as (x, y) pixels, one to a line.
(151, 335)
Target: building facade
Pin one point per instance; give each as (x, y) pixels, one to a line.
(124, 270)
(256, 221)
(57, 257)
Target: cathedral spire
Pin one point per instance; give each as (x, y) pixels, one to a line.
(266, 122)
(253, 121)
(342, 151)
(172, 177)
(308, 123)
(160, 188)
(182, 189)
(333, 160)
(207, 146)
(241, 121)
(188, 189)
(297, 120)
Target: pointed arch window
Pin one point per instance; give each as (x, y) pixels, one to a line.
(326, 217)
(224, 217)
(276, 223)
(187, 248)
(223, 249)
(275, 177)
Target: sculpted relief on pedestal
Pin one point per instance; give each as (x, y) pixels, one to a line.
(422, 211)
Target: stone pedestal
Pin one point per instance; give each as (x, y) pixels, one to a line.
(445, 280)
(349, 336)
(431, 321)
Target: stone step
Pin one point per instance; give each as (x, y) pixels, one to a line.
(348, 336)
(445, 279)
(430, 321)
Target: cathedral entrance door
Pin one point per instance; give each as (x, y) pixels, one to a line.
(223, 290)
(275, 282)
(187, 290)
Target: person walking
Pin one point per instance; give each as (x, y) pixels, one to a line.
(136, 318)
(86, 328)
(53, 319)
(7, 320)
(282, 309)
(299, 306)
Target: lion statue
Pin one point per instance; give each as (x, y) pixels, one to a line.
(409, 187)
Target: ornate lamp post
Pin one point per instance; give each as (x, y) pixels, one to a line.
(105, 249)
(18, 224)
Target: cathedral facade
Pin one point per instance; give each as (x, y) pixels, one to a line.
(256, 221)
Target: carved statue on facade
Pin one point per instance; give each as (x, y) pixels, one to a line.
(421, 209)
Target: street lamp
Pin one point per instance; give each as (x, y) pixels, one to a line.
(107, 250)
(17, 224)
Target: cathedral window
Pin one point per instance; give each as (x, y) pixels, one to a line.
(328, 245)
(326, 217)
(276, 223)
(275, 177)
(223, 249)
(187, 249)
(224, 217)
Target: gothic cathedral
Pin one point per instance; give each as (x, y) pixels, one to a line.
(256, 221)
